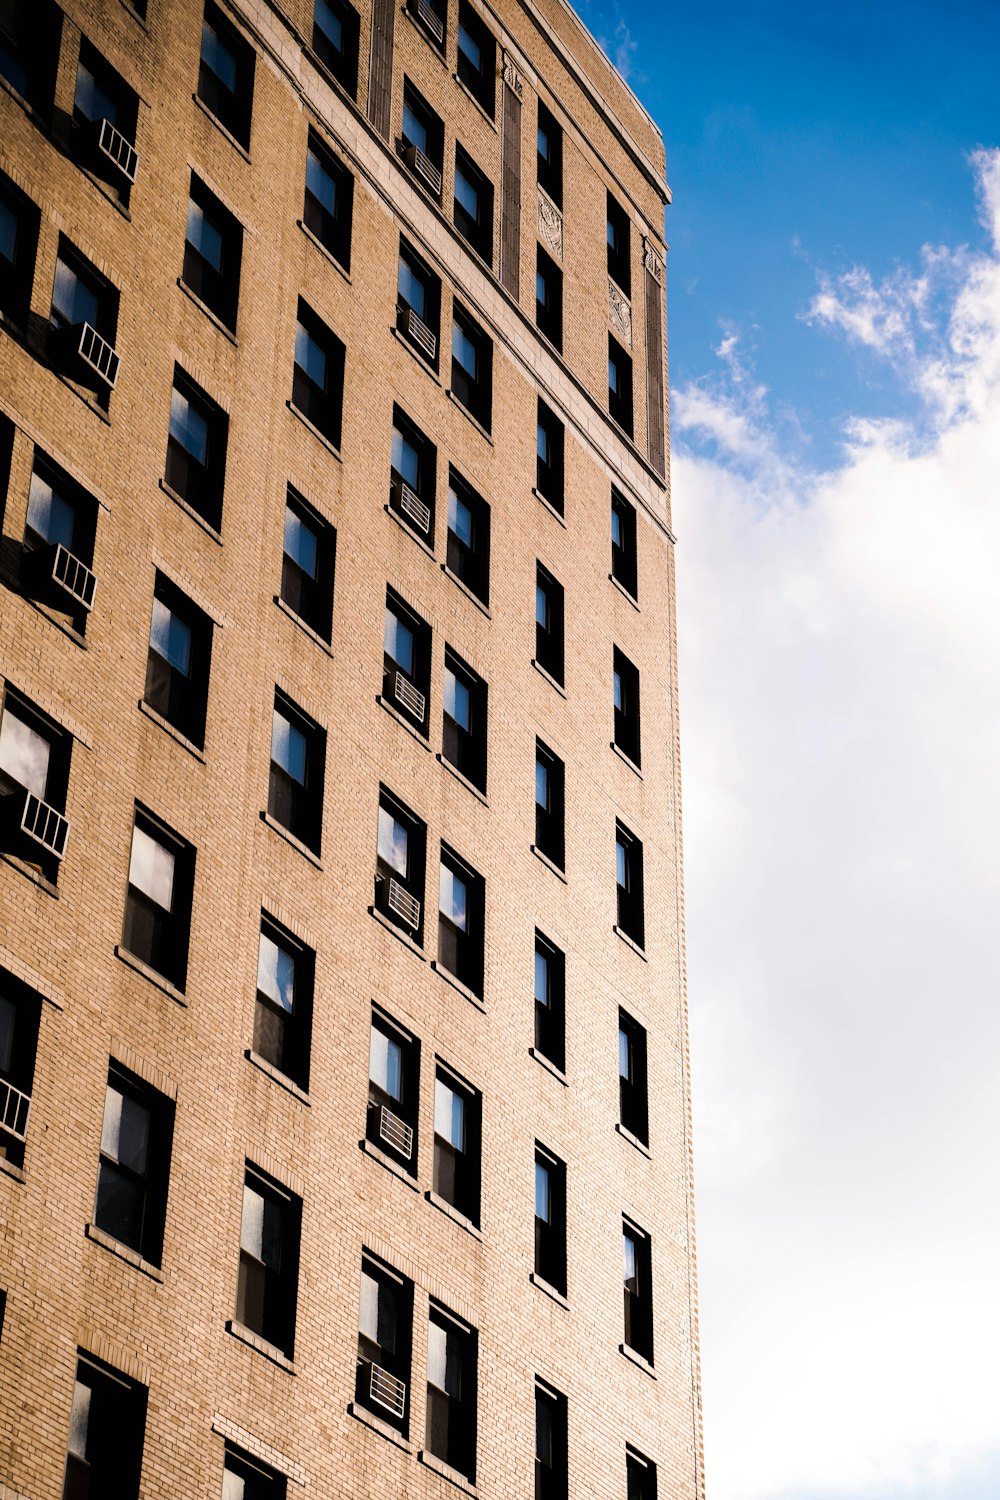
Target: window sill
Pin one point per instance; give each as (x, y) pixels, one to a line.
(549, 864)
(213, 317)
(418, 734)
(638, 1361)
(150, 974)
(83, 395)
(30, 873)
(105, 190)
(454, 1215)
(631, 943)
(548, 1289)
(627, 759)
(466, 590)
(220, 127)
(123, 1252)
(328, 76)
(549, 1067)
(8, 1169)
(460, 1481)
(324, 250)
(361, 1414)
(313, 635)
(548, 677)
(131, 10)
(254, 1341)
(457, 984)
(423, 362)
(168, 728)
(482, 110)
(624, 591)
(189, 510)
(398, 932)
(408, 529)
(633, 1140)
(384, 1160)
(277, 1075)
(464, 780)
(328, 443)
(466, 413)
(59, 621)
(557, 515)
(282, 832)
(432, 44)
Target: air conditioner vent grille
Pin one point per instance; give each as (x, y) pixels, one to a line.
(403, 903)
(97, 354)
(119, 151)
(14, 1110)
(44, 825)
(388, 1391)
(431, 20)
(395, 1132)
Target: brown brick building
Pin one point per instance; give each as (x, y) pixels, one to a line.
(304, 1185)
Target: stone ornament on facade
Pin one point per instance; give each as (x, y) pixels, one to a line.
(652, 261)
(620, 313)
(550, 224)
(511, 76)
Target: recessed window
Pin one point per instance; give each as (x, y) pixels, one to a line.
(624, 561)
(59, 536)
(550, 805)
(473, 205)
(477, 57)
(463, 741)
(549, 624)
(267, 1285)
(628, 874)
(180, 654)
(34, 779)
(393, 1090)
(432, 18)
(19, 224)
(633, 1092)
(451, 1390)
(548, 298)
(307, 565)
(421, 144)
(550, 1218)
(399, 868)
(158, 904)
(406, 663)
(551, 1453)
(640, 1476)
(107, 1426)
(30, 36)
(468, 536)
(213, 251)
(472, 367)
(458, 1111)
(225, 74)
(329, 202)
(550, 471)
(105, 113)
(298, 764)
(462, 902)
(318, 377)
(626, 699)
(638, 1279)
(418, 303)
(619, 246)
(84, 322)
(619, 385)
(336, 27)
(134, 1168)
(196, 448)
(385, 1335)
(550, 1001)
(248, 1478)
(550, 155)
(20, 1019)
(413, 478)
(282, 1023)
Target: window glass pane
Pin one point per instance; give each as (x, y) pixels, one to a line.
(541, 977)
(8, 1016)
(125, 1132)
(405, 459)
(464, 351)
(457, 699)
(541, 289)
(218, 58)
(288, 747)
(412, 289)
(188, 426)
(618, 690)
(276, 973)
(449, 1115)
(454, 898)
(204, 235)
(385, 1064)
(541, 606)
(170, 637)
(71, 296)
(444, 1361)
(542, 784)
(151, 869)
(460, 518)
(368, 1315)
(414, 129)
(301, 542)
(310, 357)
(260, 1232)
(624, 1054)
(399, 642)
(543, 1193)
(613, 375)
(24, 754)
(616, 526)
(544, 144)
(393, 842)
(630, 1267)
(621, 864)
(543, 444)
(470, 47)
(320, 182)
(466, 194)
(8, 231)
(79, 1420)
(330, 25)
(91, 100)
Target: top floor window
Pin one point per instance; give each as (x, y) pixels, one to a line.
(477, 58)
(105, 111)
(619, 246)
(336, 26)
(225, 74)
(550, 155)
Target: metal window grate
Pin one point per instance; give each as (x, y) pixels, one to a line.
(403, 903)
(14, 1110)
(411, 505)
(388, 1391)
(417, 331)
(431, 20)
(425, 168)
(119, 151)
(96, 353)
(395, 1132)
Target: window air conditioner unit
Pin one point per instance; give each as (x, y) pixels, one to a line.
(95, 353)
(419, 162)
(34, 823)
(395, 1132)
(431, 20)
(117, 150)
(407, 696)
(409, 502)
(388, 1391)
(402, 903)
(416, 330)
(14, 1110)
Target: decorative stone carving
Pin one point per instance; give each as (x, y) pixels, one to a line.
(511, 76)
(620, 313)
(550, 224)
(651, 260)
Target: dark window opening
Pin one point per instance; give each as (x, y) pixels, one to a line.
(134, 1170)
(225, 74)
(638, 1281)
(473, 205)
(329, 200)
(267, 1285)
(107, 1426)
(282, 1024)
(549, 624)
(619, 247)
(619, 386)
(30, 37)
(551, 1449)
(298, 763)
(548, 299)
(307, 565)
(406, 662)
(626, 697)
(550, 1219)
(463, 742)
(633, 1091)
(451, 1391)
(34, 780)
(196, 448)
(550, 473)
(624, 559)
(385, 1336)
(179, 660)
(477, 58)
(393, 1090)
(550, 1002)
(462, 904)
(158, 904)
(20, 219)
(246, 1478)
(213, 251)
(432, 18)
(472, 367)
(468, 536)
(84, 323)
(550, 805)
(105, 113)
(399, 867)
(20, 1020)
(550, 155)
(628, 874)
(318, 376)
(458, 1121)
(640, 1476)
(418, 304)
(336, 29)
(59, 536)
(421, 144)
(413, 476)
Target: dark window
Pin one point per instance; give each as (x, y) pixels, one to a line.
(458, 1123)
(107, 1426)
(628, 873)
(432, 18)
(550, 154)
(551, 1451)
(282, 1023)
(462, 904)
(20, 1018)
(385, 1337)
(633, 1090)
(413, 476)
(269, 1260)
(472, 367)
(421, 144)
(399, 869)
(329, 202)
(640, 1476)
(619, 246)
(307, 565)
(59, 539)
(105, 112)
(393, 1090)
(134, 1170)
(451, 1391)
(196, 448)
(463, 742)
(336, 27)
(548, 298)
(477, 57)
(213, 251)
(550, 805)
(418, 303)
(84, 321)
(624, 561)
(473, 205)
(180, 654)
(158, 903)
(550, 1219)
(550, 471)
(638, 1280)
(549, 624)
(626, 695)
(225, 74)
(619, 385)
(246, 1478)
(468, 536)
(318, 377)
(550, 1001)
(19, 222)
(29, 50)
(34, 779)
(298, 764)
(406, 662)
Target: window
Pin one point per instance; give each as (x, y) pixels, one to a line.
(551, 1448)
(632, 1082)
(638, 1291)
(393, 1090)
(134, 1167)
(406, 662)
(458, 1121)
(385, 1335)
(19, 222)
(413, 478)
(282, 1023)
(463, 742)
(158, 903)
(34, 779)
(246, 1478)
(84, 321)
(550, 805)
(418, 303)
(107, 1426)
(550, 468)
(196, 449)
(225, 75)
(626, 695)
(550, 1001)
(213, 251)
(269, 1260)
(422, 142)
(548, 298)
(20, 1019)
(550, 1219)
(432, 17)
(619, 247)
(336, 26)
(624, 560)
(619, 386)
(473, 205)
(180, 654)
(460, 926)
(318, 377)
(29, 51)
(640, 1476)
(477, 57)
(468, 536)
(329, 202)
(550, 143)
(472, 367)
(399, 869)
(451, 1391)
(59, 537)
(307, 565)
(105, 113)
(295, 786)
(549, 624)
(628, 873)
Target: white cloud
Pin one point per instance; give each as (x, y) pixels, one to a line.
(840, 692)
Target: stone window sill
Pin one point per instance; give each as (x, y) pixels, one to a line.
(453, 1214)
(123, 1252)
(328, 443)
(466, 413)
(469, 786)
(410, 531)
(631, 943)
(638, 1361)
(61, 622)
(548, 1289)
(385, 1160)
(189, 510)
(290, 838)
(633, 1140)
(9, 1170)
(254, 1341)
(549, 864)
(412, 729)
(221, 128)
(168, 728)
(460, 1481)
(277, 1075)
(30, 873)
(213, 317)
(421, 359)
(384, 1429)
(557, 515)
(624, 591)
(324, 250)
(456, 983)
(313, 635)
(151, 974)
(469, 593)
(548, 677)
(628, 760)
(398, 932)
(549, 1067)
